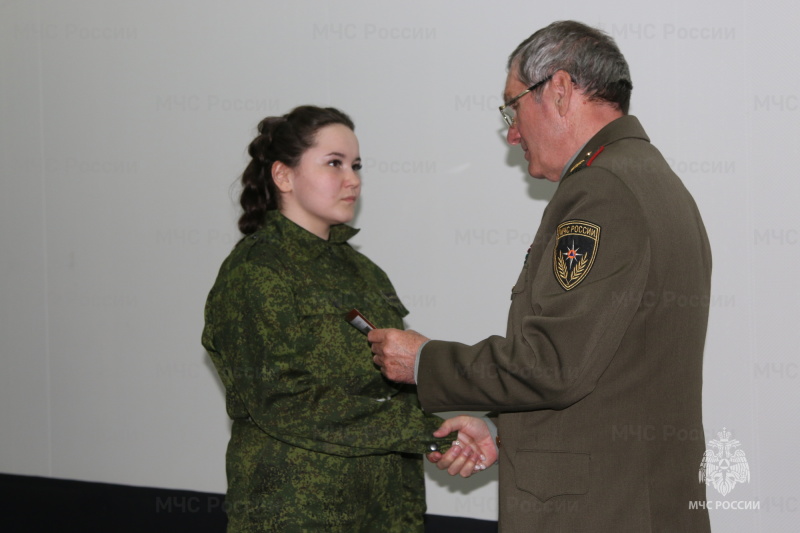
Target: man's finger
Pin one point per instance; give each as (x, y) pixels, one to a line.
(376, 335)
(434, 457)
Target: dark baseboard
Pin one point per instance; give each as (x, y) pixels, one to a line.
(38, 504)
(449, 524)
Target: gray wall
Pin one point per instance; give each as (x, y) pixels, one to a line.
(124, 125)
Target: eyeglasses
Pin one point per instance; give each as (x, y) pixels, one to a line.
(509, 112)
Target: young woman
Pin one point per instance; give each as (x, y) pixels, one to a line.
(320, 440)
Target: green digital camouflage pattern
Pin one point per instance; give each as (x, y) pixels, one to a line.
(320, 440)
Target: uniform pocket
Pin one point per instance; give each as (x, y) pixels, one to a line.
(548, 474)
(382, 308)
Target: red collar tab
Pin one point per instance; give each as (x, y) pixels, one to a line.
(591, 159)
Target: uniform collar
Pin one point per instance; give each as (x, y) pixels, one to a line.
(625, 127)
(300, 243)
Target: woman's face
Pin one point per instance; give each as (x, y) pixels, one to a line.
(323, 188)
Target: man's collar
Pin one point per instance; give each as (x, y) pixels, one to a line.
(625, 127)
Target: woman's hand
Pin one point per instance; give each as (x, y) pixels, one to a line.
(475, 449)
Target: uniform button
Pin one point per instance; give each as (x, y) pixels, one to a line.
(433, 447)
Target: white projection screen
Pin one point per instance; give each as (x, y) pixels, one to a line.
(123, 130)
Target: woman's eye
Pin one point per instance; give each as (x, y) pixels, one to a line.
(357, 167)
(335, 163)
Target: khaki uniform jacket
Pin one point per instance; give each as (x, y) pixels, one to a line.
(598, 380)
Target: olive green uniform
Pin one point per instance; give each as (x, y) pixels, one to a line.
(320, 440)
(598, 381)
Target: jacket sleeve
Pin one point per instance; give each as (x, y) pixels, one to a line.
(559, 341)
(254, 344)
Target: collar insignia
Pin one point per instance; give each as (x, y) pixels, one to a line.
(586, 161)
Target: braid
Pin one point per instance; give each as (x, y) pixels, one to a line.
(258, 189)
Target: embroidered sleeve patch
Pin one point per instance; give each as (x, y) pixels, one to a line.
(576, 246)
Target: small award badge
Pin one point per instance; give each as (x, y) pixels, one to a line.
(359, 321)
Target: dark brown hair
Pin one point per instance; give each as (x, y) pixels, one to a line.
(283, 139)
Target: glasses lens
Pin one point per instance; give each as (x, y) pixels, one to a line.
(510, 115)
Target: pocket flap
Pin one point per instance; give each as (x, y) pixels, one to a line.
(548, 474)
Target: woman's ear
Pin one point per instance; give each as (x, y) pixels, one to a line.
(281, 175)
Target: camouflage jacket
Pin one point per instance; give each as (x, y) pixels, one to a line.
(289, 361)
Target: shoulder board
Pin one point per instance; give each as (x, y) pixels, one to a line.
(261, 249)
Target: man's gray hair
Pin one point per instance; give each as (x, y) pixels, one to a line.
(590, 56)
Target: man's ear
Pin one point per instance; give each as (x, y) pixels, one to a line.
(564, 90)
(281, 175)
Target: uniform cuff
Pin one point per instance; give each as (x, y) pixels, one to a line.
(416, 362)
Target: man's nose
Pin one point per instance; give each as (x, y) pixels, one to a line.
(513, 136)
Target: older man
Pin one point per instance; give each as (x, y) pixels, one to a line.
(597, 383)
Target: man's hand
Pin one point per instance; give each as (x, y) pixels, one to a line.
(475, 450)
(396, 352)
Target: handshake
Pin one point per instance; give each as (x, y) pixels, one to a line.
(474, 450)
(395, 353)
